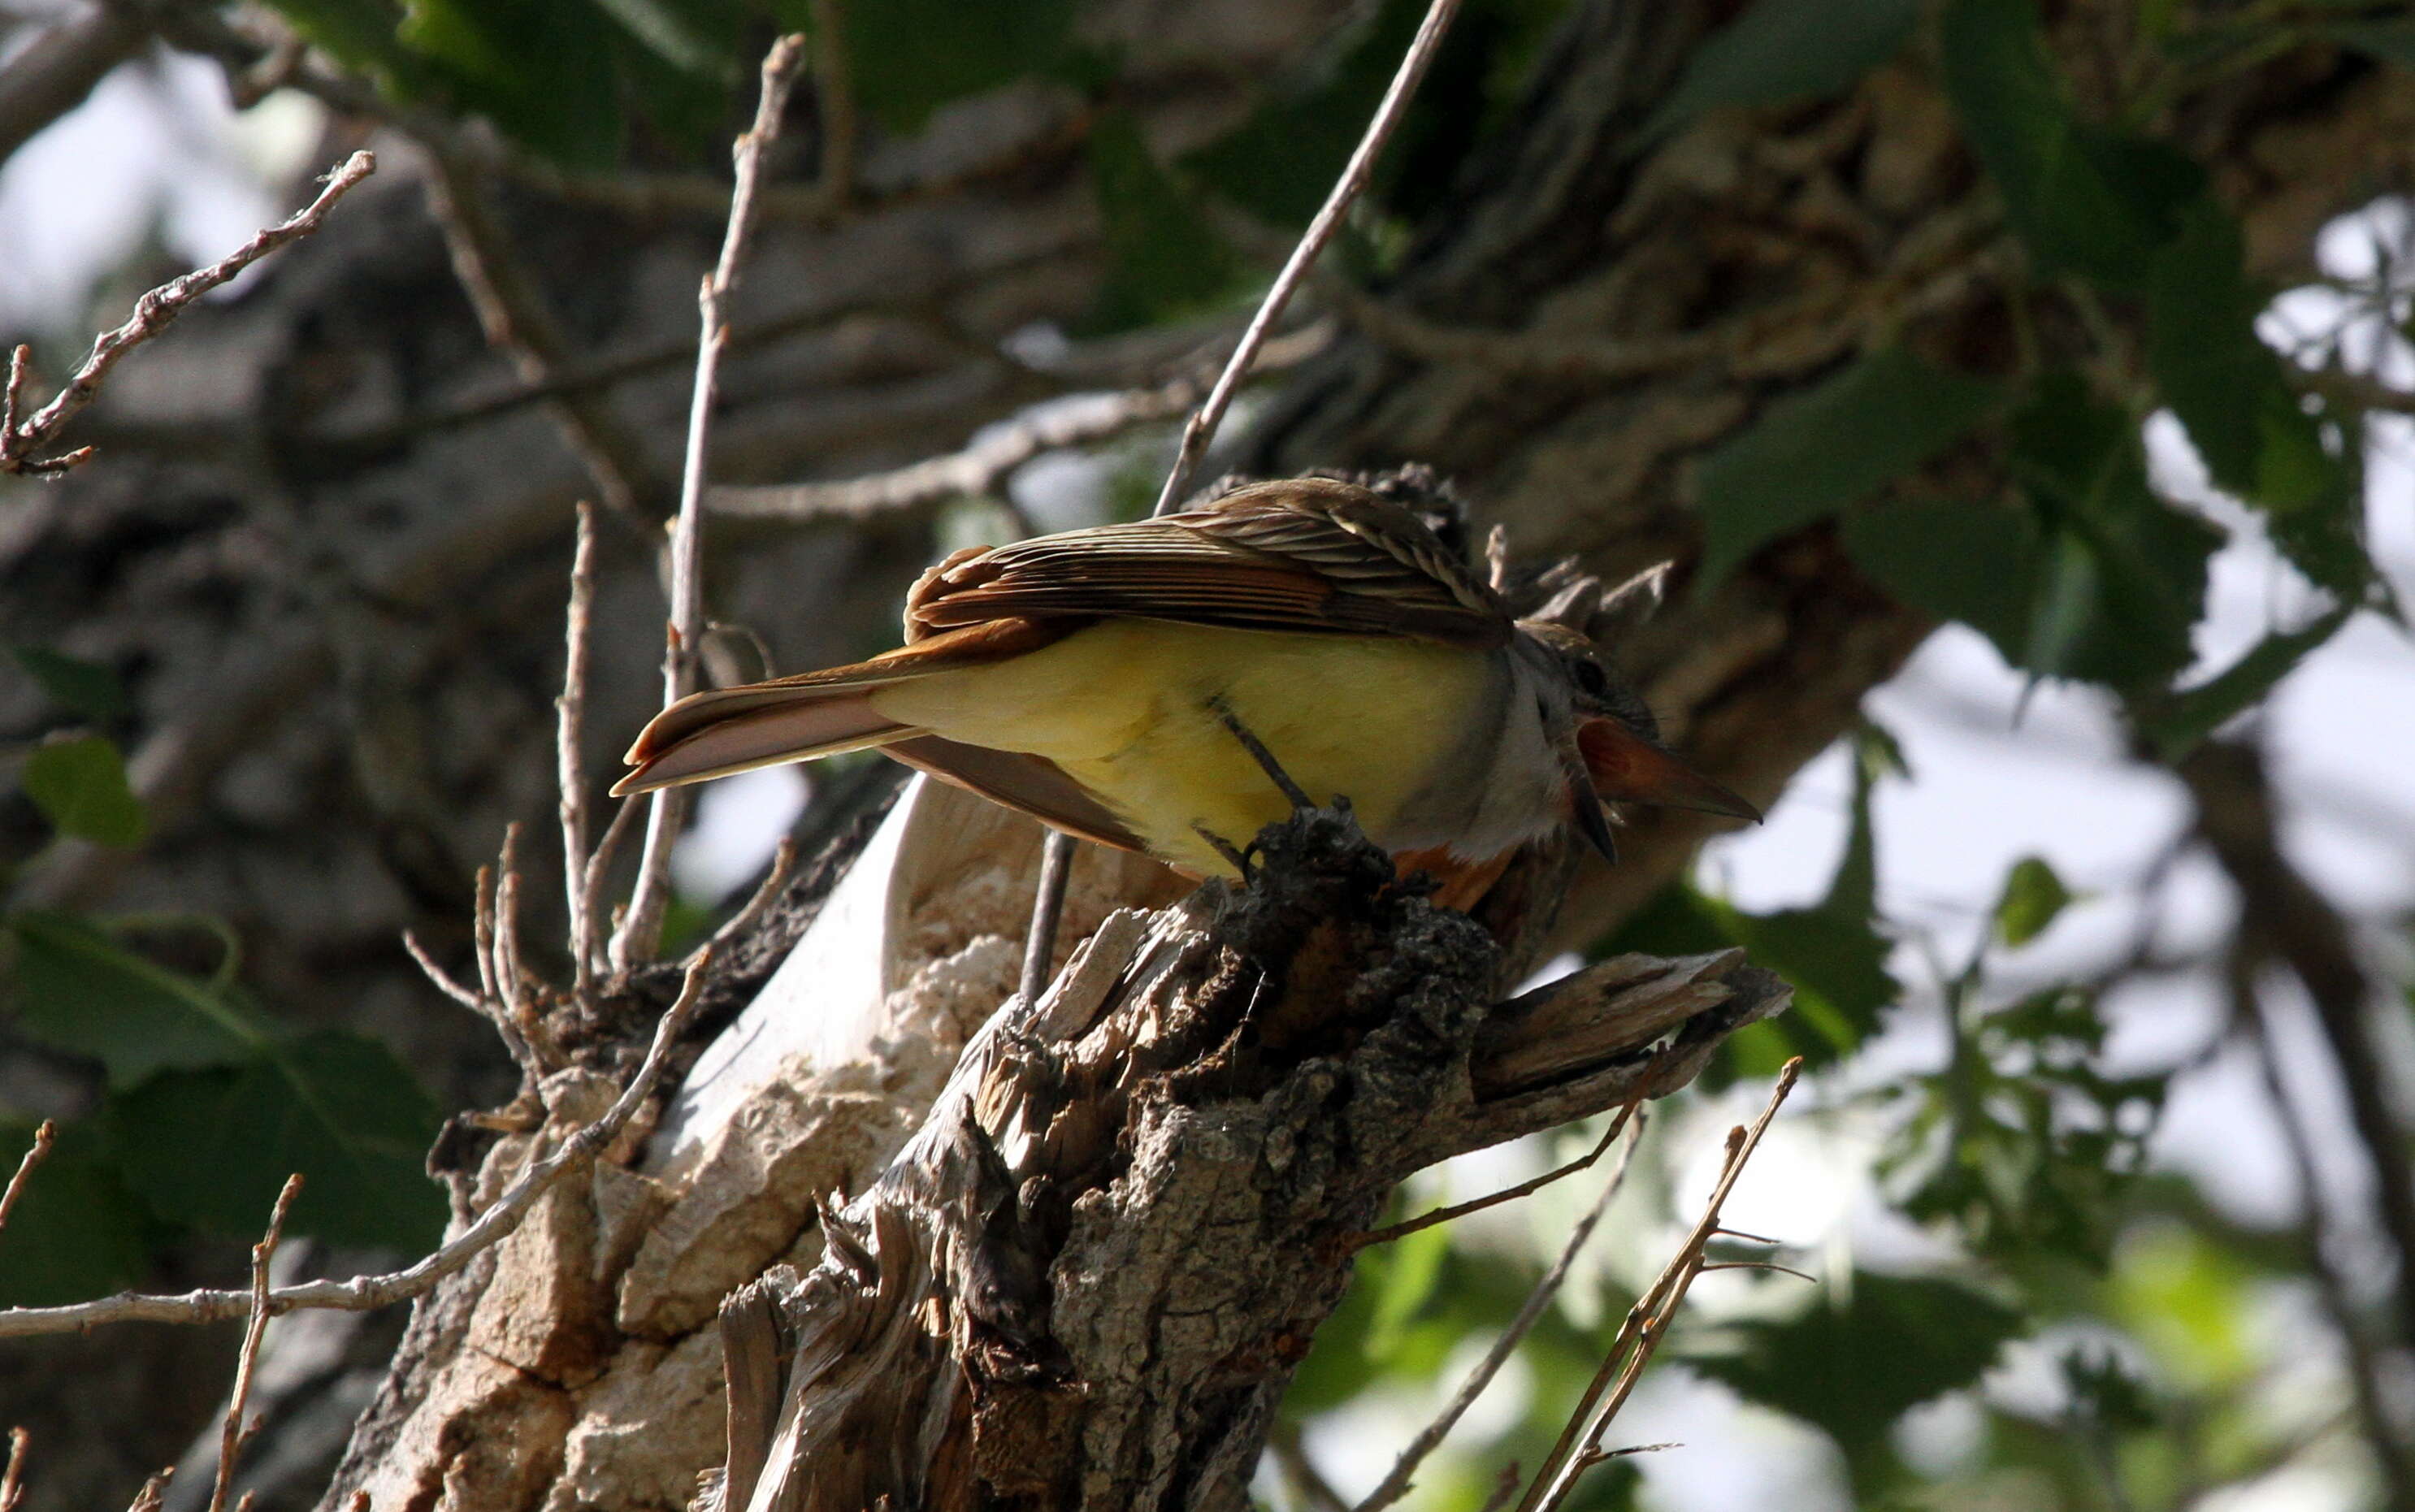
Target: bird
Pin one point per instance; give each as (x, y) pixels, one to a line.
(1171, 686)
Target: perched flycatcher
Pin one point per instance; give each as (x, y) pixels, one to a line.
(1109, 682)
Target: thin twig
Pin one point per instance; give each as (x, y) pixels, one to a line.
(1395, 1484)
(1308, 1483)
(513, 315)
(12, 1480)
(1646, 1322)
(599, 867)
(570, 712)
(443, 979)
(1047, 909)
(981, 468)
(1346, 189)
(153, 1493)
(152, 314)
(1508, 1195)
(45, 1135)
(516, 983)
(232, 1434)
(743, 923)
(641, 933)
(365, 1292)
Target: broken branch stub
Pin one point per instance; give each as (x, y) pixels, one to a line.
(1085, 1282)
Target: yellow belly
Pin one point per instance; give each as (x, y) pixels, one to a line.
(1124, 708)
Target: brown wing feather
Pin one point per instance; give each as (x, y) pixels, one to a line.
(1034, 785)
(1301, 554)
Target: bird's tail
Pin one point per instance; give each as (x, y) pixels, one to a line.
(738, 729)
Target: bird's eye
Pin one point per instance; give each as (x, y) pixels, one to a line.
(1591, 678)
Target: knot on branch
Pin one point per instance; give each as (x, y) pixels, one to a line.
(1136, 1198)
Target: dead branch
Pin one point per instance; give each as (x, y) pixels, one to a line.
(45, 1135)
(12, 1480)
(364, 1293)
(232, 1435)
(1397, 1482)
(1647, 1322)
(1328, 221)
(1022, 1299)
(981, 468)
(516, 320)
(640, 930)
(152, 315)
(1455, 1211)
(570, 711)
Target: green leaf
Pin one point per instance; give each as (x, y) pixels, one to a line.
(1405, 1285)
(1970, 560)
(78, 991)
(543, 71)
(78, 686)
(2225, 385)
(1814, 452)
(1281, 162)
(2174, 724)
(2033, 895)
(2121, 574)
(1163, 259)
(77, 1232)
(2080, 197)
(212, 1147)
(908, 57)
(1853, 1370)
(80, 786)
(1782, 50)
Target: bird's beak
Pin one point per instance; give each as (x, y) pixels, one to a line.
(1628, 768)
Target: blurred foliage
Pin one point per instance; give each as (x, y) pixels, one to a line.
(205, 1103)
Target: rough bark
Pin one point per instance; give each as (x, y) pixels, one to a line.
(1085, 1281)
(332, 573)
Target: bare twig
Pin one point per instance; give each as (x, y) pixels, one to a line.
(1048, 908)
(1397, 1483)
(152, 314)
(514, 981)
(12, 1480)
(1506, 1194)
(743, 923)
(1345, 190)
(367, 1293)
(1579, 1442)
(1079, 420)
(1308, 1483)
(442, 978)
(513, 314)
(640, 931)
(599, 865)
(153, 1493)
(232, 1434)
(570, 712)
(39, 1150)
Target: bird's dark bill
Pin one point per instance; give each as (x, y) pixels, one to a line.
(1628, 768)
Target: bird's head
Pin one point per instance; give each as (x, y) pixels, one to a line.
(1609, 734)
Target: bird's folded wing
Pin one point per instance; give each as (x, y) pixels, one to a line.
(1297, 555)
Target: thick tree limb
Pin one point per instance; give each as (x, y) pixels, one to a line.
(1085, 1280)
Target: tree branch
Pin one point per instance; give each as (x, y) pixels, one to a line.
(2234, 813)
(640, 930)
(152, 314)
(53, 76)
